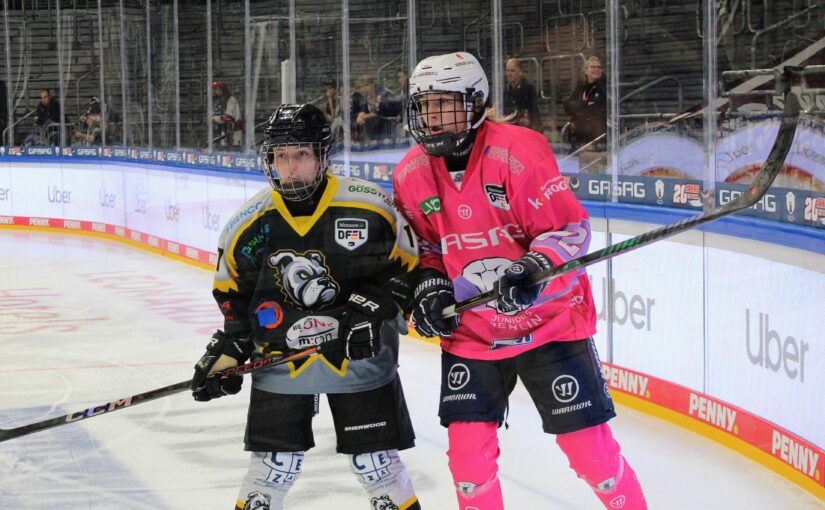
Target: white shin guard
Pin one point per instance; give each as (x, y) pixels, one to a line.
(385, 479)
(268, 479)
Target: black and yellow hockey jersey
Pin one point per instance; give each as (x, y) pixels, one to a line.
(283, 280)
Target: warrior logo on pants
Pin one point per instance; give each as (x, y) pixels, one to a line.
(458, 377)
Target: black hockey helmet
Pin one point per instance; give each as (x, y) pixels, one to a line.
(302, 126)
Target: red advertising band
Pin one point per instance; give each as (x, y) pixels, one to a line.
(140, 398)
(778, 449)
(190, 254)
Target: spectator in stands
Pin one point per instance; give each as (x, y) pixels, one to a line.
(520, 97)
(403, 86)
(365, 119)
(391, 108)
(375, 111)
(47, 114)
(332, 108)
(332, 101)
(111, 123)
(395, 105)
(89, 128)
(89, 131)
(226, 116)
(587, 106)
(93, 106)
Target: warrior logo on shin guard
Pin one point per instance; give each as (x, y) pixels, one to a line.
(383, 503)
(257, 501)
(618, 501)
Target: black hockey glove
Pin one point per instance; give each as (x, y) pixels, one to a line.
(433, 294)
(365, 312)
(204, 386)
(512, 289)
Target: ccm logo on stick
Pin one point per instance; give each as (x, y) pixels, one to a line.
(105, 408)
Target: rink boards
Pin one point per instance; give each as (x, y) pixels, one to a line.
(721, 341)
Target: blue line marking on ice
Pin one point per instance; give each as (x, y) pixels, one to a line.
(64, 467)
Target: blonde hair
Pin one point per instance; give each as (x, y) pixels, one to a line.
(506, 119)
(583, 72)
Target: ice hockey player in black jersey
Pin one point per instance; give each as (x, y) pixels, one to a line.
(314, 260)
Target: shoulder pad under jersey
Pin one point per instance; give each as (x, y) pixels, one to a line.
(355, 190)
(261, 201)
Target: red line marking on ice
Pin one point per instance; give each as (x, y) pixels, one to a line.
(87, 367)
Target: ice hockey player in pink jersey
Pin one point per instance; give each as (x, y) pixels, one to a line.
(490, 209)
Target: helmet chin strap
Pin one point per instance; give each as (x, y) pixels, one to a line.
(303, 192)
(464, 147)
(481, 119)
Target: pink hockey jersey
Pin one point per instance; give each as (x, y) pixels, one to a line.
(512, 199)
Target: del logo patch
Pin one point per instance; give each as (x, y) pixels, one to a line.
(496, 196)
(351, 232)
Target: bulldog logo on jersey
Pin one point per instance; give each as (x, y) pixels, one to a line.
(351, 232)
(304, 278)
(497, 196)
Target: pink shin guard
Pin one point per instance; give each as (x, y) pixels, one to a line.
(473, 454)
(595, 457)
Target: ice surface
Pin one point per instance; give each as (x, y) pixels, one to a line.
(84, 321)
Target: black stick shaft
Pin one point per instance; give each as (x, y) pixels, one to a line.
(140, 398)
(761, 183)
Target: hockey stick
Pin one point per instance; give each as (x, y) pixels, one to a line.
(253, 366)
(761, 183)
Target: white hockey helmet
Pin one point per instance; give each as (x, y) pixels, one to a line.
(459, 73)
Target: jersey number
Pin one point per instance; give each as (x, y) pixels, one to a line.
(568, 240)
(410, 236)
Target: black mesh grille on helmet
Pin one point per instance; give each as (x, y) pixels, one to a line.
(301, 126)
(441, 122)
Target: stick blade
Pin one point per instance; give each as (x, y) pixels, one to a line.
(6, 434)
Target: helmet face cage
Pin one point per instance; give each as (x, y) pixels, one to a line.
(441, 121)
(295, 170)
(296, 149)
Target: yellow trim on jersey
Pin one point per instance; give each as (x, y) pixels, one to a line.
(407, 259)
(407, 504)
(293, 372)
(225, 285)
(344, 366)
(303, 224)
